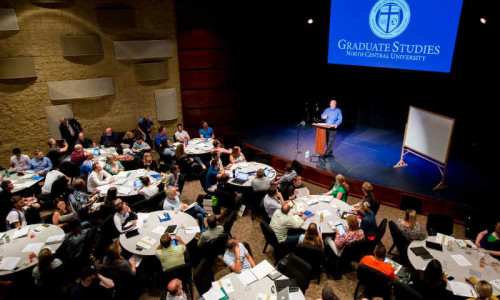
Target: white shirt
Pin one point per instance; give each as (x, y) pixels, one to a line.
(181, 135)
(118, 218)
(149, 191)
(50, 178)
(20, 163)
(16, 216)
(97, 179)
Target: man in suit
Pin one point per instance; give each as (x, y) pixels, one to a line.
(69, 128)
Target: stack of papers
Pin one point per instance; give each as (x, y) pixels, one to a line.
(325, 212)
(302, 193)
(40, 228)
(21, 232)
(495, 284)
(297, 207)
(124, 190)
(246, 277)
(192, 229)
(311, 202)
(55, 239)
(325, 198)
(226, 284)
(9, 263)
(123, 174)
(262, 269)
(163, 216)
(103, 189)
(159, 230)
(146, 242)
(32, 248)
(462, 289)
(214, 294)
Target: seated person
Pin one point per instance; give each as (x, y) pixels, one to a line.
(109, 138)
(140, 147)
(161, 136)
(368, 222)
(98, 177)
(213, 231)
(217, 148)
(85, 142)
(260, 182)
(352, 234)
(282, 221)
(214, 172)
(273, 201)
(89, 159)
(50, 178)
(56, 153)
(181, 134)
(236, 156)
(62, 210)
(237, 257)
(409, 227)
(40, 164)
(287, 178)
(125, 219)
(312, 237)
(74, 240)
(188, 165)
(127, 142)
(376, 261)
(484, 290)
(115, 260)
(111, 196)
(431, 283)
(490, 241)
(113, 166)
(91, 286)
(167, 149)
(367, 189)
(175, 179)
(170, 253)
(226, 195)
(172, 202)
(148, 163)
(19, 162)
(147, 189)
(340, 188)
(5, 204)
(78, 156)
(16, 217)
(47, 262)
(82, 202)
(175, 291)
(205, 131)
(293, 188)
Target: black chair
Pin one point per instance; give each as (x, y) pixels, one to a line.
(297, 166)
(312, 255)
(380, 232)
(375, 283)
(156, 200)
(126, 285)
(405, 292)
(105, 211)
(70, 169)
(263, 158)
(254, 200)
(262, 208)
(47, 219)
(203, 178)
(293, 266)
(352, 252)
(400, 242)
(228, 223)
(439, 223)
(106, 233)
(214, 247)
(203, 276)
(132, 199)
(247, 246)
(272, 240)
(140, 206)
(182, 272)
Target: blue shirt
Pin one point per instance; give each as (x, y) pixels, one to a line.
(206, 133)
(211, 177)
(160, 138)
(334, 116)
(172, 204)
(369, 224)
(35, 165)
(144, 125)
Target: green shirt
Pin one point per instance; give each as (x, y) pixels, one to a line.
(339, 189)
(108, 167)
(172, 256)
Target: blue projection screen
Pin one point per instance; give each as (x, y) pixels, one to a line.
(400, 34)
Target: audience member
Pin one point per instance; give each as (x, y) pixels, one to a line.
(82, 201)
(490, 241)
(188, 165)
(50, 178)
(167, 149)
(281, 222)
(287, 178)
(19, 162)
(5, 203)
(484, 291)
(328, 294)
(125, 219)
(128, 141)
(368, 222)
(145, 125)
(47, 263)
(293, 188)
(181, 134)
(115, 260)
(376, 261)
(84, 141)
(214, 172)
(226, 195)
(217, 148)
(237, 257)
(161, 136)
(205, 131)
(40, 164)
(69, 129)
(236, 156)
(109, 138)
(353, 233)
(175, 179)
(431, 283)
(113, 166)
(170, 252)
(175, 291)
(409, 227)
(74, 241)
(172, 202)
(111, 196)
(98, 177)
(91, 286)
(312, 236)
(273, 201)
(213, 231)
(63, 213)
(140, 147)
(89, 160)
(56, 153)
(260, 182)
(16, 217)
(147, 189)
(340, 188)
(78, 156)
(148, 163)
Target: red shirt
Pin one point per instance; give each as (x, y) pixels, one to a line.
(382, 266)
(77, 158)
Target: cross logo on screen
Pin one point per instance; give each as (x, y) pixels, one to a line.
(389, 18)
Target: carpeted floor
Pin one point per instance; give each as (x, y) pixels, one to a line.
(247, 230)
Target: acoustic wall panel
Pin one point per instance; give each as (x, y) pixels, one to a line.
(78, 89)
(54, 113)
(166, 104)
(81, 45)
(143, 49)
(14, 68)
(8, 20)
(115, 18)
(151, 71)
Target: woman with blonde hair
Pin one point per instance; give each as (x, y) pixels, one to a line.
(312, 236)
(148, 163)
(340, 188)
(115, 260)
(113, 166)
(236, 156)
(484, 291)
(352, 234)
(409, 227)
(47, 263)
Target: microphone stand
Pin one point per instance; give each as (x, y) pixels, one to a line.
(298, 130)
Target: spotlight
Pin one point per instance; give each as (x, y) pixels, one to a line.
(483, 20)
(310, 21)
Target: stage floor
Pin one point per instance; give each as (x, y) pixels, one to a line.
(369, 154)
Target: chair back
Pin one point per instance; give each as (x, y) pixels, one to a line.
(59, 187)
(182, 272)
(228, 224)
(47, 219)
(203, 179)
(380, 232)
(106, 210)
(405, 292)
(439, 223)
(69, 169)
(262, 208)
(214, 247)
(293, 266)
(203, 276)
(156, 200)
(269, 234)
(132, 198)
(140, 206)
(376, 283)
(312, 255)
(400, 242)
(355, 251)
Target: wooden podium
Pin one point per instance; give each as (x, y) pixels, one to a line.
(321, 136)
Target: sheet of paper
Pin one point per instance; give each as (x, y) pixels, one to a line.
(461, 260)
(123, 174)
(54, 239)
(246, 277)
(159, 230)
(214, 294)
(9, 263)
(299, 206)
(124, 190)
(443, 239)
(495, 284)
(261, 296)
(325, 198)
(227, 285)
(33, 247)
(21, 232)
(471, 244)
(40, 228)
(311, 202)
(325, 212)
(302, 193)
(103, 189)
(146, 242)
(192, 229)
(138, 259)
(28, 175)
(262, 269)
(462, 289)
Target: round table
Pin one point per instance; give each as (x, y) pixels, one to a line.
(125, 185)
(199, 146)
(21, 182)
(452, 268)
(152, 222)
(329, 211)
(247, 167)
(15, 246)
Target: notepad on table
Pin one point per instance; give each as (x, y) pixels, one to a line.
(311, 202)
(55, 239)
(32, 248)
(262, 269)
(123, 174)
(192, 229)
(164, 216)
(225, 283)
(9, 263)
(302, 192)
(443, 239)
(21, 232)
(159, 230)
(461, 260)
(462, 289)
(261, 296)
(146, 242)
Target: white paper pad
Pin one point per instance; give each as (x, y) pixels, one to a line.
(192, 229)
(299, 206)
(302, 193)
(297, 218)
(33, 247)
(246, 277)
(40, 228)
(214, 294)
(54, 239)
(471, 244)
(103, 189)
(146, 242)
(261, 296)
(461, 260)
(124, 190)
(325, 198)
(462, 289)
(123, 174)
(23, 231)
(159, 230)
(9, 263)
(444, 239)
(496, 284)
(262, 269)
(325, 212)
(28, 175)
(226, 284)
(138, 259)
(311, 202)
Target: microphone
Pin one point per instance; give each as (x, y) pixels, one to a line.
(302, 123)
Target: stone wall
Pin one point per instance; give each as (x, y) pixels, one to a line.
(23, 121)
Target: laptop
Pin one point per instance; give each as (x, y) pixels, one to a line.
(241, 178)
(290, 284)
(283, 294)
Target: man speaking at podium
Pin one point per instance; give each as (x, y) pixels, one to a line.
(333, 117)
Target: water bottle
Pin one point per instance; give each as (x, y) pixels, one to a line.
(185, 143)
(7, 239)
(7, 173)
